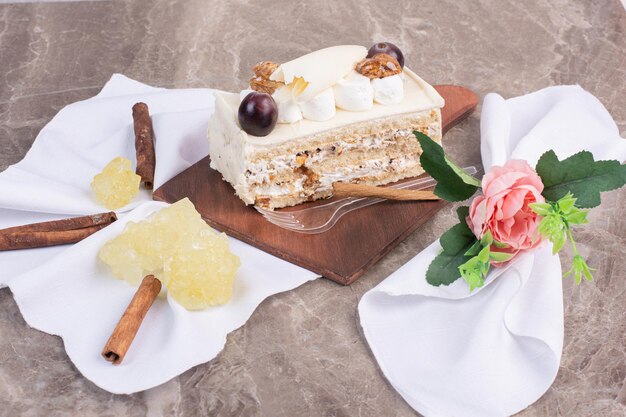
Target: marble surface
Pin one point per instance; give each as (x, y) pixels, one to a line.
(301, 353)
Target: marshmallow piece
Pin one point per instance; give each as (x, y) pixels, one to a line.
(388, 90)
(354, 92)
(288, 110)
(244, 93)
(321, 107)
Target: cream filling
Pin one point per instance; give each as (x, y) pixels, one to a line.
(260, 172)
(371, 168)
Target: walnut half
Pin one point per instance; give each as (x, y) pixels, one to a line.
(261, 80)
(378, 66)
(264, 69)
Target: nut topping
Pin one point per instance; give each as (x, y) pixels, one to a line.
(264, 69)
(263, 85)
(378, 66)
(261, 80)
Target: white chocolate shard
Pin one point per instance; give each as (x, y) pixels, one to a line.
(315, 72)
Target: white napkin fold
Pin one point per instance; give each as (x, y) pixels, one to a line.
(497, 350)
(67, 291)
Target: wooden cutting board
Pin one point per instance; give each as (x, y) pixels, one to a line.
(343, 253)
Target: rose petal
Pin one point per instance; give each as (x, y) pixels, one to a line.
(502, 183)
(477, 216)
(514, 201)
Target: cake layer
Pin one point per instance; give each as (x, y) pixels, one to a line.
(374, 152)
(296, 196)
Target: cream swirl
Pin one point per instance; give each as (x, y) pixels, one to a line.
(288, 110)
(321, 107)
(354, 93)
(388, 90)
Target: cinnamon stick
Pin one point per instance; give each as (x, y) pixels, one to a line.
(344, 189)
(56, 232)
(144, 144)
(126, 329)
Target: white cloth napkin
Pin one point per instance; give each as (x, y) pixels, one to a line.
(497, 350)
(67, 291)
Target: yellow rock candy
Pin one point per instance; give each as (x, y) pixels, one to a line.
(116, 185)
(202, 274)
(192, 260)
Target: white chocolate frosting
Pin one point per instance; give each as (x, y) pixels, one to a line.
(418, 96)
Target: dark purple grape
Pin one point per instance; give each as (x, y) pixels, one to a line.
(258, 113)
(387, 48)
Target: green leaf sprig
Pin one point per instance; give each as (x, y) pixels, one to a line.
(475, 270)
(569, 185)
(555, 226)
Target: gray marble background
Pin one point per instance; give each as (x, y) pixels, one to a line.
(301, 353)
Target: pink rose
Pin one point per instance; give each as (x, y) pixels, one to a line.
(504, 210)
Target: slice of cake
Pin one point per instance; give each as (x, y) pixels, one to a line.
(337, 114)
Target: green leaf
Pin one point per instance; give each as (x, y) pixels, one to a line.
(566, 204)
(474, 249)
(461, 213)
(483, 255)
(580, 175)
(577, 217)
(558, 241)
(587, 272)
(474, 280)
(580, 269)
(487, 238)
(500, 256)
(450, 185)
(500, 244)
(542, 209)
(456, 242)
(474, 271)
(467, 178)
(554, 228)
